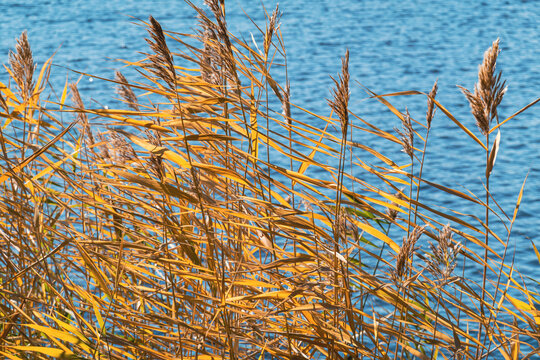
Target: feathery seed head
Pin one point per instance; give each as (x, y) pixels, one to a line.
(392, 213)
(121, 149)
(431, 104)
(161, 62)
(125, 91)
(22, 66)
(488, 91)
(442, 262)
(407, 135)
(341, 93)
(286, 105)
(81, 115)
(406, 251)
(271, 27)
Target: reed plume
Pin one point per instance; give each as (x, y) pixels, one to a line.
(81, 113)
(223, 55)
(270, 29)
(209, 56)
(430, 113)
(126, 92)
(487, 95)
(431, 105)
(161, 62)
(22, 66)
(341, 94)
(391, 212)
(286, 103)
(442, 260)
(407, 135)
(121, 150)
(488, 91)
(407, 250)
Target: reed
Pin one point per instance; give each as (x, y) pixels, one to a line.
(162, 229)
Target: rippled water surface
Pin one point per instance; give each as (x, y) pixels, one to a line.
(394, 45)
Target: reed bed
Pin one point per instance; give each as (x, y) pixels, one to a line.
(200, 221)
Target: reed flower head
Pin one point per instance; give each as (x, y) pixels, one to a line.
(407, 135)
(209, 57)
(218, 62)
(392, 213)
(285, 104)
(22, 66)
(81, 114)
(442, 262)
(120, 149)
(125, 91)
(488, 91)
(431, 105)
(270, 29)
(161, 62)
(407, 250)
(340, 101)
(214, 6)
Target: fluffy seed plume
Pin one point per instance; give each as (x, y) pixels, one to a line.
(442, 262)
(155, 161)
(125, 91)
(217, 8)
(121, 150)
(22, 66)
(341, 94)
(209, 57)
(406, 251)
(393, 213)
(407, 135)
(488, 91)
(286, 105)
(214, 6)
(81, 115)
(431, 104)
(161, 62)
(218, 55)
(271, 27)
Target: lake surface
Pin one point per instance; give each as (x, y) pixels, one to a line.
(394, 46)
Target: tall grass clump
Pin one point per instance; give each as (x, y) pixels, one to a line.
(198, 220)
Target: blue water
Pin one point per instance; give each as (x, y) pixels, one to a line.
(394, 46)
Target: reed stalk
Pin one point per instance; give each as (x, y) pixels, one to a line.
(487, 95)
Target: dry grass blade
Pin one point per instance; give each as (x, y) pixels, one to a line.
(493, 154)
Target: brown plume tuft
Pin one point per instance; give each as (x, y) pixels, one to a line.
(407, 135)
(340, 102)
(161, 62)
(488, 91)
(22, 66)
(431, 104)
(125, 91)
